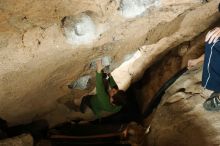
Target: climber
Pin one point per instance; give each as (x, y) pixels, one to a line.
(211, 68)
(107, 98)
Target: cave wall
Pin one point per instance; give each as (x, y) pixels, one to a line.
(39, 57)
(165, 68)
(180, 118)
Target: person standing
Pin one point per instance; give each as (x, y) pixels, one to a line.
(211, 68)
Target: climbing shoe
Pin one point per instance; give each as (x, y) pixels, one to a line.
(212, 103)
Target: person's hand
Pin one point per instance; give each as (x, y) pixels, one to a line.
(213, 35)
(125, 133)
(192, 63)
(109, 74)
(99, 65)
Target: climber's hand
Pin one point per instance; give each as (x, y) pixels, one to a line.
(192, 63)
(125, 133)
(99, 65)
(213, 35)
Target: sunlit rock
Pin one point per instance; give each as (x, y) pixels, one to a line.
(128, 56)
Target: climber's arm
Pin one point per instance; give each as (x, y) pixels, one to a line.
(112, 82)
(194, 62)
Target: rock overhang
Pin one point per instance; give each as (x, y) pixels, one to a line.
(35, 71)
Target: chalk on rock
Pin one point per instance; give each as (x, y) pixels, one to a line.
(106, 62)
(79, 29)
(133, 8)
(81, 84)
(128, 56)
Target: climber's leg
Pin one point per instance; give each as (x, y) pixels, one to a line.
(85, 103)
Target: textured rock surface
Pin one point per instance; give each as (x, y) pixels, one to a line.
(38, 61)
(181, 119)
(21, 140)
(165, 68)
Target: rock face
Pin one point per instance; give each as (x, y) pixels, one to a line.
(164, 69)
(45, 46)
(181, 119)
(21, 140)
(79, 29)
(132, 8)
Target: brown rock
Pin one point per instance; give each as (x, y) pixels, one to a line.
(21, 140)
(184, 122)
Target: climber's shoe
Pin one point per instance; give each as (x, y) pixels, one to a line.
(212, 103)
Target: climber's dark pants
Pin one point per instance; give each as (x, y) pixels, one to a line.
(211, 68)
(85, 103)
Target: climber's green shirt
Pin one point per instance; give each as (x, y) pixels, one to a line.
(100, 101)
